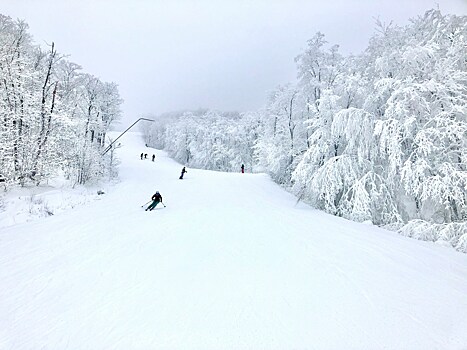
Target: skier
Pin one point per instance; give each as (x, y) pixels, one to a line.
(243, 168)
(145, 156)
(156, 198)
(142, 156)
(153, 157)
(183, 173)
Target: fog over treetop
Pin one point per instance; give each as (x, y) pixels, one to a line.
(172, 55)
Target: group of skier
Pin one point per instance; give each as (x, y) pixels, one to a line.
(145, 156)
(157, 198)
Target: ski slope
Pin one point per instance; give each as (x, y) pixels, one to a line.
(232, 262)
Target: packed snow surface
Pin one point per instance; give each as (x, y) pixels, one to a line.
(231, 262)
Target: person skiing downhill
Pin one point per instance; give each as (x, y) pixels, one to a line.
(243, 168)
(183, 173)
(156, 198)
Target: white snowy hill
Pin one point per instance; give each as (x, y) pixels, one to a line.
(231, 263)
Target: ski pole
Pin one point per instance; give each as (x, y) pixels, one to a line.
(163, 204)
(144, 204)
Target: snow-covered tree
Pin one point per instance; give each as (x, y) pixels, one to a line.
(379, 137)
(48, 108)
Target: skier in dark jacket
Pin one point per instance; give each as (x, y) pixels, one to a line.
(156, 198)
(183, 173)
(153, 157)
(243, 168)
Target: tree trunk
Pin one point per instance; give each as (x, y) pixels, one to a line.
(46, 116)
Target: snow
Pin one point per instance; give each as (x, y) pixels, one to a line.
(30, 203)
(232, 262)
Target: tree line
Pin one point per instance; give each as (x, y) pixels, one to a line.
(54, 118)
(378, 137)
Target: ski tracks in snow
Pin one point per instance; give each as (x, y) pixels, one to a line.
(231, 263)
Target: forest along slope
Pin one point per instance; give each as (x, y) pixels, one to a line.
(231, 263)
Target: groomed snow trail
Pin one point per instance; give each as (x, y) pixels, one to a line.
(231, 263)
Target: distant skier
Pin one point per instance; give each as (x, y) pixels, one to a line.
(142, 154)
(156, 199)
(243, 169)
(183, 173)
(145, 156)
(153, 157)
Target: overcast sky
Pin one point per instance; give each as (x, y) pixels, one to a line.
(184, 54)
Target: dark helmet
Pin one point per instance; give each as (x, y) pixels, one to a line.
(157, 192)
